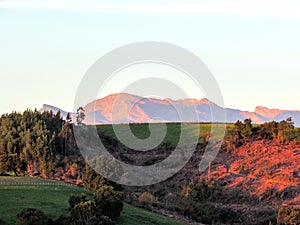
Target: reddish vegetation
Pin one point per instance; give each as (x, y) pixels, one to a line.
(69, 174)
(295, 202)
(32, 169)
(260, 167)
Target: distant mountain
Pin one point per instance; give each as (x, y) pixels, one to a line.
(122, 108)
(55, 110)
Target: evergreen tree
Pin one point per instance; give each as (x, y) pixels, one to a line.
(80, 116)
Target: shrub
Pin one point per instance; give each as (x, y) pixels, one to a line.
(85, 212)
(146, 197)
(203, 212)
(288, 215)
(76, 199)
(63, 220)
(32, 216)
(2, 222)
(204, 191)
(265, 217)
(109, 201)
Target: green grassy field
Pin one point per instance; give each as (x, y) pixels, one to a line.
(173, 130)
(52, 197)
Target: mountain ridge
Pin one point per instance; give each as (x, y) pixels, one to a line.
(124, 108)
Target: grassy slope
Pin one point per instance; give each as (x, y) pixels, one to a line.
(52, 197)
(173, 130)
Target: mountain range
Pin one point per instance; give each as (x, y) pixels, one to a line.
(123, 108)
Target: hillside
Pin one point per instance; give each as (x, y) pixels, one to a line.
(245, 185)
(52, 197)
(268, 170)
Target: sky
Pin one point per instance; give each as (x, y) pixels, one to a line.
(252, 48)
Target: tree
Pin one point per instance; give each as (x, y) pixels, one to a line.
(269, 130)
(286, 130)
(69, 118)
(247, 130)
(238, 126)
(66, 134)
(80, 116)
(110, 167)
(91, 180)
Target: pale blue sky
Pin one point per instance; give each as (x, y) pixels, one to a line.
(251, 47)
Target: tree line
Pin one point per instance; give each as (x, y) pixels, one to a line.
(244, 131)
(32, 137)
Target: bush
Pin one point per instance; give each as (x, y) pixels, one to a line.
(265, 217)
(288, 215)
(63, 220)
(32, 216)
(107, 204)
(108, 201)
(76, 199)
(203, 212)
(146, 197)
(85, 212)
(203, 191)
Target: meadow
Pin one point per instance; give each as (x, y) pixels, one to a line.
(173, 132)
(52, 197)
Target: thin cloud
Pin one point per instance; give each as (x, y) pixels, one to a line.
(275, 9)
